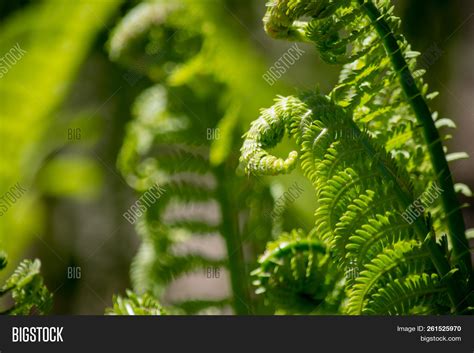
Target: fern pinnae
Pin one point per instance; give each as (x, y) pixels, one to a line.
(368, 87)
(363, 207)
(403, 295)
(392, 262)
(293, 272)
(133, 304)
(371, 238)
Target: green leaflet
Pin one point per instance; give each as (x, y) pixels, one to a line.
(391, 263)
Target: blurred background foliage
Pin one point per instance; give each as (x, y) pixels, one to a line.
(64, 107)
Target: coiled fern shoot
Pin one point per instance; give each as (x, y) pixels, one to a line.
(370, 148)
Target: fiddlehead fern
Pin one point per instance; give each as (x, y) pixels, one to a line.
(380, 84)
(362, 195)
(295, 272)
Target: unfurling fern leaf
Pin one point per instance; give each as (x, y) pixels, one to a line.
(387, 97)
(361, 194)
(160, 150)
(294, 271)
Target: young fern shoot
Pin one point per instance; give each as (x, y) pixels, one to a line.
(370, 148)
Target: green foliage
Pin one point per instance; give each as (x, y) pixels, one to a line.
(370, 148)
(26, 288)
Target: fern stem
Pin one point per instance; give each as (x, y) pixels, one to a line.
(455, 221)
(230, 231)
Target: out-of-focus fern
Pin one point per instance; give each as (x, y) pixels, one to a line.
(55, 36)
(370, 148)
(194, 56)
(26, 288)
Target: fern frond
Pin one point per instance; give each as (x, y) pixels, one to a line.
(361, 192)
(352, 145)
(405, 296)
(393, 262)
(146, 40)
(381, 85)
